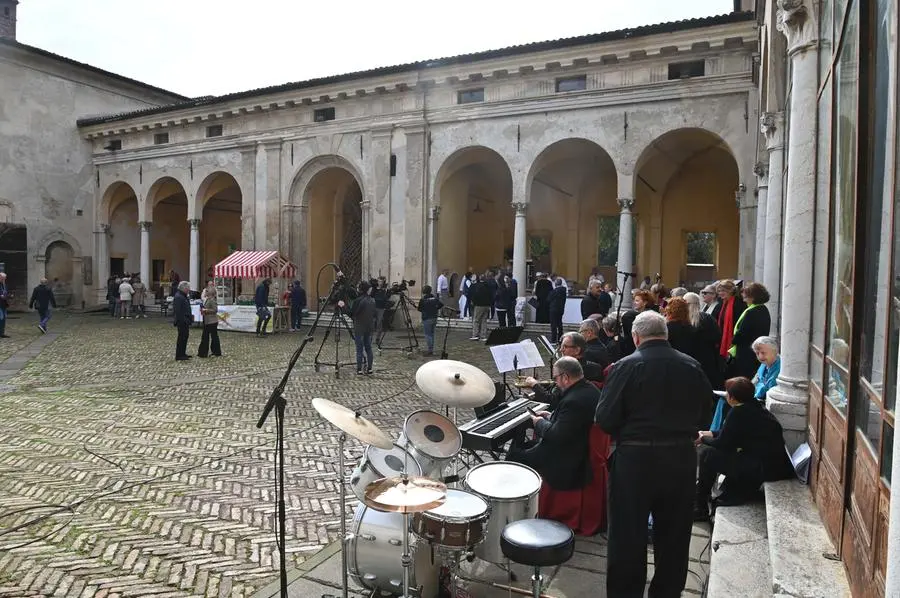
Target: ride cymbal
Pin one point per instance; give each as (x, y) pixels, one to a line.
(400, 494)
(455, 383)
(352, 423)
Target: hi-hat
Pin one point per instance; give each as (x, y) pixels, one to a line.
(455, 383)
(352, 423)
(401, 494)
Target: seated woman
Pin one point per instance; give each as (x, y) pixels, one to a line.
(749, 450)
(766, 349)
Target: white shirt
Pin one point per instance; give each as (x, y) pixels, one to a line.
(443, 285)
(125, 291)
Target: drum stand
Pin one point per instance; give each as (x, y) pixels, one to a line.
(343, 494)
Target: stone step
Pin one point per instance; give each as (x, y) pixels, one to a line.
(739, 561)
(799, 543)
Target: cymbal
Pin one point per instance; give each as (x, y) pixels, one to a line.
(352, 423)
(413, 494)
(455, 383)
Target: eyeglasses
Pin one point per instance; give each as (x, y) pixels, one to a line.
(566, 346)
(707, 293)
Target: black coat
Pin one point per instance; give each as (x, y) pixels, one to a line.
(756, 323)
(597, 352)
(562, 454)
(542, 289)
(429, 306)
(181, 308)
(557, 299)
(480, 294)
(42, 298)
(590, 305)
(656, 393)
(613, 348)
(754, 432)
(626, 343)
(701, 343)
(504, 298)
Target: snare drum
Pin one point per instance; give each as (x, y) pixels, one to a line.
(432, 439)
(457, 524)
(512, 491)
(378, 463)
(375, 551)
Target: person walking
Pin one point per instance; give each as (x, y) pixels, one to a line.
(4, 304)
(429, 306)
(653, 404)
(298, 304)
(181, 308)
(112, 295)
(362, 312)
(261, 299)
(210, 312)
(42, 299)
(126, 292)
(482, 299)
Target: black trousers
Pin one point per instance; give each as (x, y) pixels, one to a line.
(555, 326)
(210, 333)
(743, 475)
(644, 480)
(184, 331)
(505, 318)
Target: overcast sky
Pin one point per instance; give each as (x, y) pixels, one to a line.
(211, 47)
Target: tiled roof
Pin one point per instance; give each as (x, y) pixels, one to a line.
(568, 42)
(15, 44)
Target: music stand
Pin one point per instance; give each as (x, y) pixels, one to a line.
(505, 336)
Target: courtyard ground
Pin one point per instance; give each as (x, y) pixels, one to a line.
(125, 473)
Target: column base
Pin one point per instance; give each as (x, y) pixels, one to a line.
(790, 406)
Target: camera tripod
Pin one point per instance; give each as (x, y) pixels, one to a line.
(336, 323)
(412, 341)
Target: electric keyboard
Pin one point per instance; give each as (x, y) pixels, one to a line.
(490, 433)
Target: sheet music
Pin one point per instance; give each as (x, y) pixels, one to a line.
(524, 355)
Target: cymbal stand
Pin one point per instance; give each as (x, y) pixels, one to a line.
(342, 439)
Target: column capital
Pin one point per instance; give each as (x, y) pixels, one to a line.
(520, 207)
(740, 197)
(761, 169)
(364, 205)
(434, 213)
(145, 225)
(798, 20)
(625, 203)
(771, 124)
(195, 223)
(104, 228)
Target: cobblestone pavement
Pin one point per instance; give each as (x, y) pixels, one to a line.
(125, 473)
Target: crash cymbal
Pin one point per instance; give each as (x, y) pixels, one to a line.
(455, 383)
(352, 423)
(412, 494)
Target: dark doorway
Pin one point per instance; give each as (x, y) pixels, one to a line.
(116, 266)
(13, 261)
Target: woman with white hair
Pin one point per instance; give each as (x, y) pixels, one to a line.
(766, 350)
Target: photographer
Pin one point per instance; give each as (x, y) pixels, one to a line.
(362, 312)
(429, 305)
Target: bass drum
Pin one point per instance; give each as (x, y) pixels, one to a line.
(375, 552)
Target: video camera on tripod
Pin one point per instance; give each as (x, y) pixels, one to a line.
(400, 287)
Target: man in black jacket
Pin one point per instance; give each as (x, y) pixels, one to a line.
(749, 450)
(482, 299)
(429, 306)
(597, 301)
(181, 308)
(572, 345)
(42, 299)
(557, 303)
(594, 349)
(561, 452)
(542, 289)
(653, 403)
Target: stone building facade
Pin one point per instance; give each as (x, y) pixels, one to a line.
(605, 150)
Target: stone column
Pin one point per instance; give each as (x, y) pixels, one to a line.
(762, 194)
(772, 126)
(520, 247)
(365, 207)
(145, 252)
(194, 274)
(747, 214)
(626, 246)
(434, 216)
(378, 192)
(789, 400)
(414, 266)
(101, 236)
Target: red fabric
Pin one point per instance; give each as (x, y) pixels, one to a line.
(583, 510)
(726, 325)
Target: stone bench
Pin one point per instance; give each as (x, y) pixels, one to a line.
(739, 556)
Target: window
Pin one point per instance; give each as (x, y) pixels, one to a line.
(571, 84)
(114, 145)
(214, 131)
(470, 96)
(608, 240)
(160, 138)
(323, 114)
(701, 249)
(686, 70)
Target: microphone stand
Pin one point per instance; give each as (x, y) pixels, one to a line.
(625, 277)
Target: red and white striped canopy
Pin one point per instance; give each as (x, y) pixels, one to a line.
(255, 264)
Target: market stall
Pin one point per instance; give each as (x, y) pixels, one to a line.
(254, 265)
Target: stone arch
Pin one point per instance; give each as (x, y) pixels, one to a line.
(696, 141)
(59, 236)
(462, 158)
(562, 149)
(163, 187)
(114, 195)
(308, 171)
(214, 183)
(61, 255)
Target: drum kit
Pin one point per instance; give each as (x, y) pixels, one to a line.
(407, 515)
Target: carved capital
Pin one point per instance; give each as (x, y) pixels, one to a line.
(195, 223)
(740, 196)
(761, 170)
(798, 20)
(520, 208)
(365, 204)
(104, 228)
(435, 213)
(145, 225)
(625, 203)
(771, 124)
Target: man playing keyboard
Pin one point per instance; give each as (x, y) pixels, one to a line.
(572, 345)
(559, 452)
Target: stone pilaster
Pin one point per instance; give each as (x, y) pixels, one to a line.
(789, 400)
(365, 207)
(762, 195)
(431, 242)
(248, 199)
(259, 193)
(626, 245)
(378, 191)
(101, 240)
(772, 127)
(520, 246)
(414, 266)
(273, 200)
(744, 198)
(146, 275)
(194, 272)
